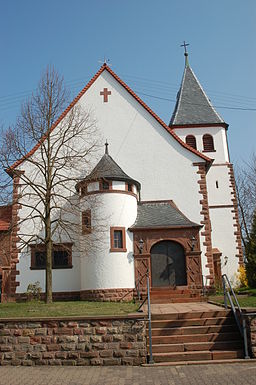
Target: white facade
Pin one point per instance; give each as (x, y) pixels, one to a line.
(142, 146)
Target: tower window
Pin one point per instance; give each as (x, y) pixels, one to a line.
(217, 184)
(208, 143)
(86, 222)
(117, 239)
(191, 141)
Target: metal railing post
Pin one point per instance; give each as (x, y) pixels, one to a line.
(225, 292)
(246, 354)
(151, 361)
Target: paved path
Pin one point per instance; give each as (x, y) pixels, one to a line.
(218, 374)
(182, 307)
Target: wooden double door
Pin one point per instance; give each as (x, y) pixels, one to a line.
(168, 265)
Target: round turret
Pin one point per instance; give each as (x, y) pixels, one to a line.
(108, 202)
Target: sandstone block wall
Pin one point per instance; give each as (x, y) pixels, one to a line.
(76, 341)
(251, 327)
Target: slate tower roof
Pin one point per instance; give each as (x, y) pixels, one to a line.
(107, 168)
(192, 104)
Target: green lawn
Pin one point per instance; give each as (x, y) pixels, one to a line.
(69, 308)
(246, 297)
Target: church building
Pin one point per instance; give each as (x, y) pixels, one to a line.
(165, 202)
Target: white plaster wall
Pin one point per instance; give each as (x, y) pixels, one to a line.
(223, 238)
(101, 268)
(222, 221)
(222, 194)
(219, 137)
(143, 148)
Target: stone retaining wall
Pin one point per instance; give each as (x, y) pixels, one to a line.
(251, 328)
(73, 341)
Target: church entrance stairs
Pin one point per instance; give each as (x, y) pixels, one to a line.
(174, 295)
(194, 335)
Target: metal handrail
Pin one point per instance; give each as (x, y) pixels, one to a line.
(147, 298)
(151, 361)
(227, 288)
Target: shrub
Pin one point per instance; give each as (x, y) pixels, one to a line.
(242, 280)
(250, 252)
(34, 291)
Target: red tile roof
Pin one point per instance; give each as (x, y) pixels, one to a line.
(104, 67)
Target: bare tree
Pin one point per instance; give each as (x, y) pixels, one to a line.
(246, 196)
(48, 174)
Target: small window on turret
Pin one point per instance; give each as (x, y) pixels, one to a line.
(86, 222)
(191, 141)
(208, 143)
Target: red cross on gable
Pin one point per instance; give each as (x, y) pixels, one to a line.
(105, 93)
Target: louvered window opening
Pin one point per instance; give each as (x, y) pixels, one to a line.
(208, 143)
(191, 141)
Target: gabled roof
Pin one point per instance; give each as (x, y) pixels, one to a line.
(159, 214)
(107, 168)
(104, 67)
(192, 105)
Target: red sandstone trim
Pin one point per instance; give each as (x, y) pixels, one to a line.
(103, 68)
(112, 192)
(220, 206)
(112, 242)
(114, 295)
(236, 224)
(14, 251)
(207, 125)
(206, 232)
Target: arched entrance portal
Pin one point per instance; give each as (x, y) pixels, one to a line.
(168, 264)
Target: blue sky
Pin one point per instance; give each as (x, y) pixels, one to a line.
(142, 40)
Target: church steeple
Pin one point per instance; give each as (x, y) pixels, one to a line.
(192, 104)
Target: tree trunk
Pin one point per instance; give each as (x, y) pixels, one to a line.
(49, 252)
(48, 272)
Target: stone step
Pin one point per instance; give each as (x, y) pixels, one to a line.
(179, 339)
(181, 299)
(194, 330)
(194, 355)
(192, 322)
(194, 314)
(198, 346)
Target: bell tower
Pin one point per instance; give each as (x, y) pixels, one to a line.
(198, 124)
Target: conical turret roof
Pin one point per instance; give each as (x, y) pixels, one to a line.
(192, 105)
(107, 168)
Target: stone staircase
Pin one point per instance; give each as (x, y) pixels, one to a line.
(195, 336)
(168, 295)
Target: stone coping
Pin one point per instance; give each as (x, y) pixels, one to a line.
(140, 316)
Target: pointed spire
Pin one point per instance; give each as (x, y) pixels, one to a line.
(192, 105)
(106, 147)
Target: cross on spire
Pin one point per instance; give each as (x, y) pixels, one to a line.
(105, 61)
(185, 48)
(106, 147)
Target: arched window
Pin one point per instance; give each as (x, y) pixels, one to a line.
(208, 143)
(191, 141)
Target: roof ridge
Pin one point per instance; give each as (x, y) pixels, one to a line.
(82, 92)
